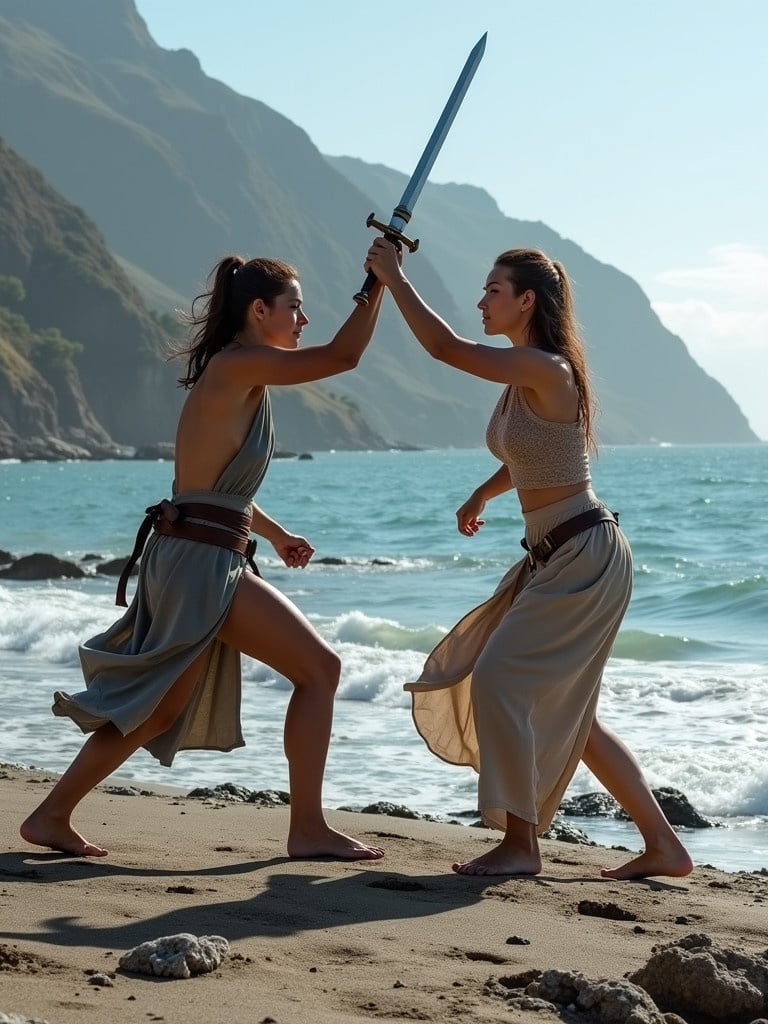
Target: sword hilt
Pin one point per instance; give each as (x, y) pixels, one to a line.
(392, 235)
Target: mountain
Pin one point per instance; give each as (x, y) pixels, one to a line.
(177, 169)
(81, 358)
(648, 386)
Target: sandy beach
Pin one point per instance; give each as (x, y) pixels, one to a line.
(401, 939)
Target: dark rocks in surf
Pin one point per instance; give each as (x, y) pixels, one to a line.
(41, 567)
(679, 811)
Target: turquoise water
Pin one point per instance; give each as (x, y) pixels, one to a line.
(686, 686)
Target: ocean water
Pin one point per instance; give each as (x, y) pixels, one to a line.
(686, 686)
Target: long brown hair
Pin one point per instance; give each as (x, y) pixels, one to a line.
(218, 314)
(553, 324)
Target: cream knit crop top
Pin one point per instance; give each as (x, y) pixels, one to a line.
(537, 452)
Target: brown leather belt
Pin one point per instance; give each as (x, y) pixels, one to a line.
(173, 521)
(540, 553)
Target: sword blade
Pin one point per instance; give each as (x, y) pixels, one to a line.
(402, 212)
(443, 126)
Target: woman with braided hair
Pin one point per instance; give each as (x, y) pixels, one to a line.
(166, 675)
(512, 689)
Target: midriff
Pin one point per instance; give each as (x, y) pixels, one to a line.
(538, 497)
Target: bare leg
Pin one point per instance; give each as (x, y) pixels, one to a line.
(292, 647)
(516, 854)
(102, 753)
(617, 769)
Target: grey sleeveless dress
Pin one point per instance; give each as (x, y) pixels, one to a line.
(183, 594)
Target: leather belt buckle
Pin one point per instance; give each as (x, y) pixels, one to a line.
(544, 548)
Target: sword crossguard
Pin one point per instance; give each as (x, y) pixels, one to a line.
(394, 235)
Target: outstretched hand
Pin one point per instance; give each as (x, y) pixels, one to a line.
(295, 551)
(385, 260)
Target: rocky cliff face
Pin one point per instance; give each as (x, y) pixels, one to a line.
(76, 326)
(26, 403)
(82, 361)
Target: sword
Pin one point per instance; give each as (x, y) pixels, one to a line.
(402, 212)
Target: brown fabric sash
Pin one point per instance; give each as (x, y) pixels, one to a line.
(172, 521)
(557, 536)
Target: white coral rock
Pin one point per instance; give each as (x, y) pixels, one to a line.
(176, 956)
(14, 1018)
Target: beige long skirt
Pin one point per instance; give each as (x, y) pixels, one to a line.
(512, 689)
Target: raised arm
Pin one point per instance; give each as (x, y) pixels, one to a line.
(523, 366)
(263, 364)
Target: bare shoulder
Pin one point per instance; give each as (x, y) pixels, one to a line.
(246, 367)
(562, 371)
(552, 392)
(231, 371)
(221, 395)
(542, 370)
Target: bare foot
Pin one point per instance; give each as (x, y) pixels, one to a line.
(501, 861)
(58, 835)
(668, 858)
(327, 842)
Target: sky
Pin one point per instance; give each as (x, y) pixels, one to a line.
(636, 129)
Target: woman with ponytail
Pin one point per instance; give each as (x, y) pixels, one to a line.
(512, 689)
(166, 676)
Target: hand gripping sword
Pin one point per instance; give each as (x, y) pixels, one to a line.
(402, 212)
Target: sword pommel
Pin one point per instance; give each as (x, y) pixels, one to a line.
(361, 297)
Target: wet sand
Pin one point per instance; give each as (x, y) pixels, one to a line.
(399, 939)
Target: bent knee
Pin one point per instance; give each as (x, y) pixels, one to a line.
(323, 669)
(328, 670)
